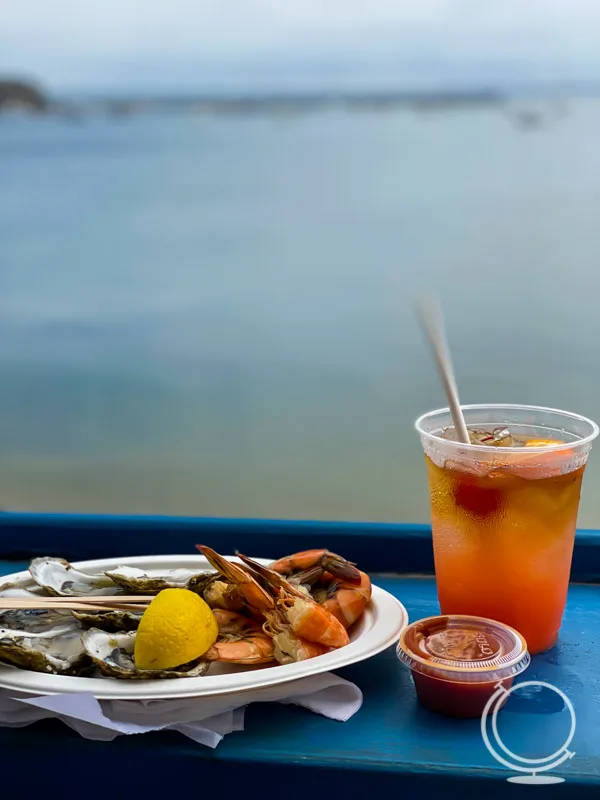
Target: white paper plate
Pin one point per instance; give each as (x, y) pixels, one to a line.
(378, 628)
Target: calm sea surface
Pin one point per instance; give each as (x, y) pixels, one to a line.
(214, 315)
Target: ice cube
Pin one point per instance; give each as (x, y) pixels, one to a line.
(481, 436)
(502, 437)
(498, 437)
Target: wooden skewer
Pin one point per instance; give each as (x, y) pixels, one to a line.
(77, 603)
(17, 602)
(74, 606)
(104, 599)
(116, 607)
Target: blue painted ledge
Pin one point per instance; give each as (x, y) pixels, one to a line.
(392, 746)
(378, 547)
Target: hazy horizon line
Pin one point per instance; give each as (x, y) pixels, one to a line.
(334, 72)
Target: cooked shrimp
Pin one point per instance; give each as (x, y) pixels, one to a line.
(252, 592)
(241, 641)
(307, 618)
(217, 592)
(220, 594)
(311, 564)
(232, 623)
(345, 600)
(254, 648)
(287, 646)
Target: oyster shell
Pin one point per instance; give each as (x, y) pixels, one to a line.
(34, 620)
(111, 621)
(10, 590)
(57, 650)
(113, 655)
(59, 577)
(153, 581)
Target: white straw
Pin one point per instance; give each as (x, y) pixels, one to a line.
(433, 323)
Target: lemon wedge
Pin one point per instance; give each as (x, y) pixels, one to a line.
(542, 442)
(176, 628)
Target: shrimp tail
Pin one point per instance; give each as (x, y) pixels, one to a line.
(254, 594)
(270, 576)
(311, 563)
(340, 568)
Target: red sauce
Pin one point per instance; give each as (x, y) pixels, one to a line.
(458, 662)
(454, 698)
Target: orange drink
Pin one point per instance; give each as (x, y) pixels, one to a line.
(504, 511)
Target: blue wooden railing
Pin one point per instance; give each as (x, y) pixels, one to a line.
(377, 547)
(392, 746)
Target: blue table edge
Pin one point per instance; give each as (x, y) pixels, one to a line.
(377, 547)
(394, 549)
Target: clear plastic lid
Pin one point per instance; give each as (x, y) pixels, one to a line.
(463, 648)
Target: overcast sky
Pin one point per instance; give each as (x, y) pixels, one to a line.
(188, 43)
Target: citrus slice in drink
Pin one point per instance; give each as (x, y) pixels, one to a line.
(534, 463)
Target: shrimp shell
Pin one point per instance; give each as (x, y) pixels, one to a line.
(307, 618)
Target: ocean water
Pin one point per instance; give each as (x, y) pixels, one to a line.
(215, 315)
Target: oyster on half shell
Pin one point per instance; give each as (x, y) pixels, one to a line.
(57, 649)
(60, 578)
(112, 621)
(35, 620)
(151, 581)
(113, 655)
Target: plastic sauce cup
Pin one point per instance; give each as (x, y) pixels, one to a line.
(459, 661)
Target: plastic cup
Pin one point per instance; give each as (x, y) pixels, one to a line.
(459, 662)
(504, 518)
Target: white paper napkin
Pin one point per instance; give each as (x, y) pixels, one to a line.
(205, 720)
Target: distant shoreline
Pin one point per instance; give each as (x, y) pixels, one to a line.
(28, 98)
